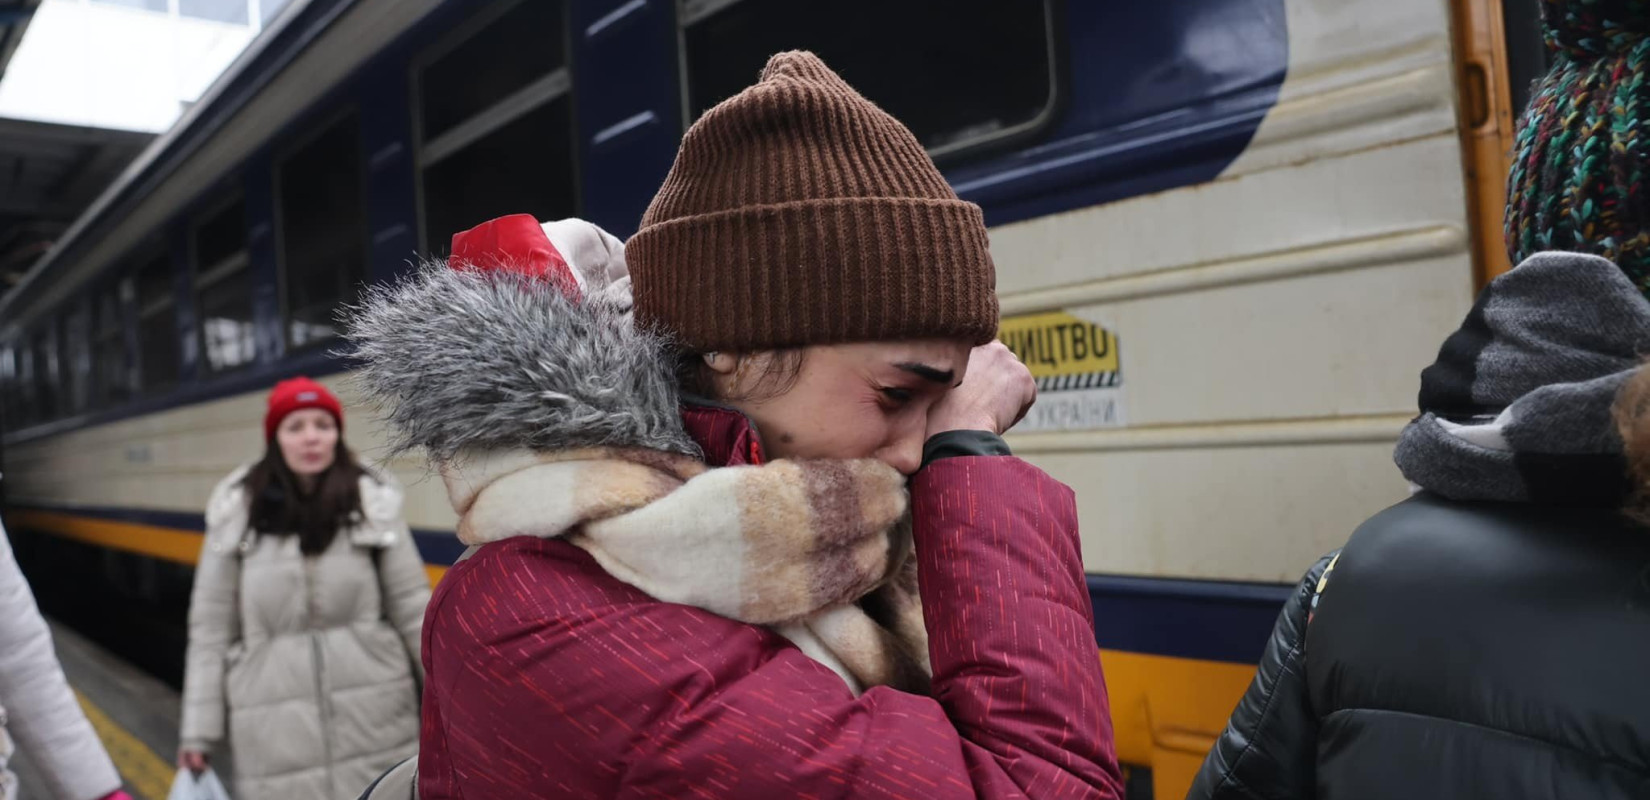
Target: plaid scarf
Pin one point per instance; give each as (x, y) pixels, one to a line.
(819, 551)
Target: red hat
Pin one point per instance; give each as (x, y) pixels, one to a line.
(298, 393)
(514, 243)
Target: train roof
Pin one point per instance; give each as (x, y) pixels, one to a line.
(304, 52)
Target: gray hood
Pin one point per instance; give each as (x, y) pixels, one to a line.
(1517, 407)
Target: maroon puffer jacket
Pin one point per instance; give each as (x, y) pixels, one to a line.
(547, 678)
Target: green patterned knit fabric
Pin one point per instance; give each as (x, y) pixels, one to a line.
(1578, 173)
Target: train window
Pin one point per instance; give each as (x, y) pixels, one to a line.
(10, 408)
(111, 375)
(511, 52)
(923, 67)
(496, 121)
(158, 361)
(44, 379)
(523, 167)
(223, 288)
(230, 11)
(74, 344)
(323, 230)
(23, 392)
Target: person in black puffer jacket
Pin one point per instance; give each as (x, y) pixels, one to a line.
(1490, 636)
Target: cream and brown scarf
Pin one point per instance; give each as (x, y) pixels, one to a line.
(820, 551)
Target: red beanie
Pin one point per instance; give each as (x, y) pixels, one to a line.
(298, 393)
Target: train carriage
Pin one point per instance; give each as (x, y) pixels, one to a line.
(1228, 233)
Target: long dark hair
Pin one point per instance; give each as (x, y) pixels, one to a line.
(280, 506)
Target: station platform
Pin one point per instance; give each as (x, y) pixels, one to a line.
(134, 714)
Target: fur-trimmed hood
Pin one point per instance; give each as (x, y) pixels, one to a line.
(462, 360)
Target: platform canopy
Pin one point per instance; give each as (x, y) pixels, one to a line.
(49, 172)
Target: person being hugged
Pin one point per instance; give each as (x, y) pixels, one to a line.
(742, 521)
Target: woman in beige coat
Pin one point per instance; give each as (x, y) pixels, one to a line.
(305, 619)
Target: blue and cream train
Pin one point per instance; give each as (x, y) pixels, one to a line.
(1229, 233)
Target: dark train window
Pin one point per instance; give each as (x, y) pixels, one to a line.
(74, 357)
(523, 167)
(44, 379)
(980, 71)
(23, 392)
(158, 345)
(510, 52)
(496, 122)
(17, 372)
(323, 230)
(111, 382)
(223, 288)
(30, 374)
(8, 387)
(11, 407)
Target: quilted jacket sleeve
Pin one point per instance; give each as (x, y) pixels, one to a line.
(1270, 745)
(404, 583)
(214, 617)
(671, 701)
(40, 707)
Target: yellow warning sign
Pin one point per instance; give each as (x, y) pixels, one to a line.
(1078, 372)
(1058, 345)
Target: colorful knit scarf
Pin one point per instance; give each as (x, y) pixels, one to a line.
(1577, 181)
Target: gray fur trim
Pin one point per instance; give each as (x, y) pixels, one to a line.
(459, 360)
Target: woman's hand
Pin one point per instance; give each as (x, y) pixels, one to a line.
(192, 760)
(995, 394)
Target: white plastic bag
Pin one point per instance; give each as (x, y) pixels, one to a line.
(189, 786)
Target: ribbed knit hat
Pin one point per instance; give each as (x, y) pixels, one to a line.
(1577, 181)
(799, 213)
(298, 393)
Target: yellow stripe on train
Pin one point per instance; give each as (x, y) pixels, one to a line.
(171, 544)
(155, 541)
(1166, 711)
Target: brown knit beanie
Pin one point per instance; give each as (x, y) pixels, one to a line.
(799, 213)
